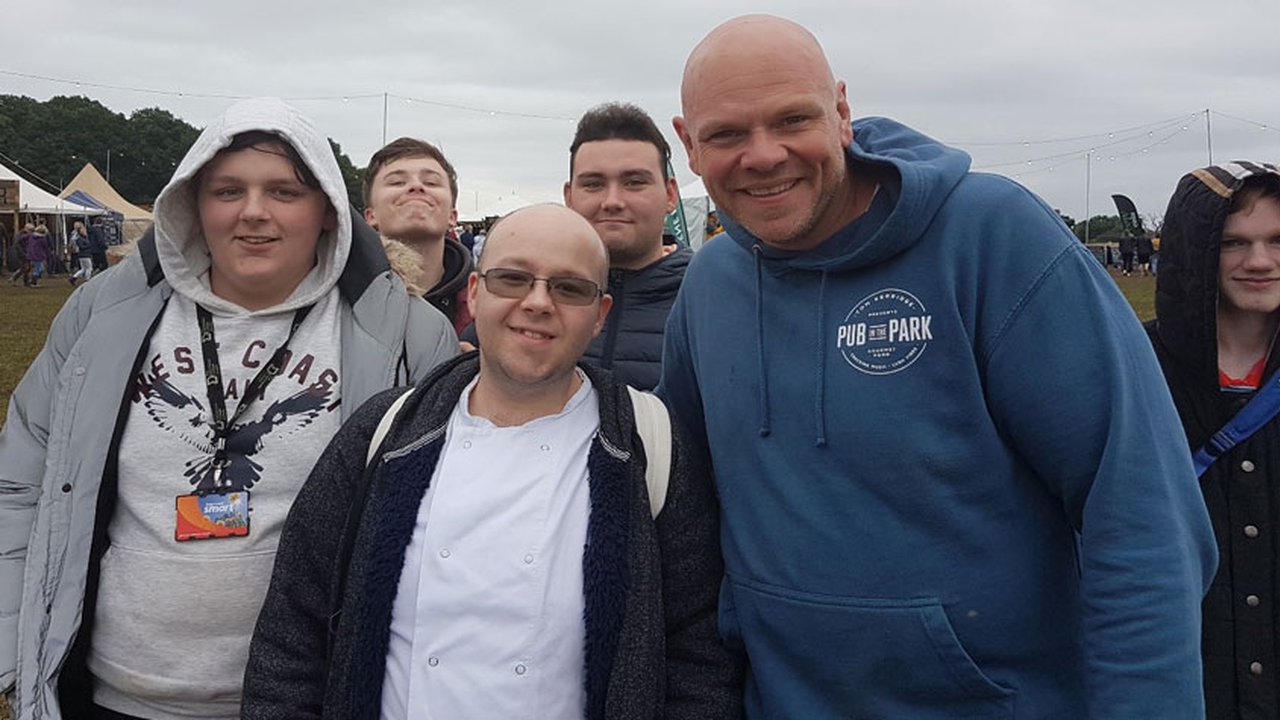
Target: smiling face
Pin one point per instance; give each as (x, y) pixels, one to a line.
(261, 224)
(530, 345)
(617, 185)
(1249, 260)
(410, 200)
(765, 125)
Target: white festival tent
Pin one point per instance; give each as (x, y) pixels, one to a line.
(33, 200)
(696, 204)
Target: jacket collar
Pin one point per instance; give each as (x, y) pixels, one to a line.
(434, 398)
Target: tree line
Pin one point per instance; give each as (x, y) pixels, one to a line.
(50, 141)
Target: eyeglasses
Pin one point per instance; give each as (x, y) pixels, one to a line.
(515, 284)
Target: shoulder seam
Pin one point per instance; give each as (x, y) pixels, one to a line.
(1017, 308)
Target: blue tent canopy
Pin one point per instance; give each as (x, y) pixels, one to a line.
(83, 198)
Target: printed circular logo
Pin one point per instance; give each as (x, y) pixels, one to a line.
(885, 332)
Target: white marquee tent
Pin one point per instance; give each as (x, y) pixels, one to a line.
(696, 204)
(33, 200)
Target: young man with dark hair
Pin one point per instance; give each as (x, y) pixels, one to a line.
(410, 196)
(1217, 314)
(619, 181)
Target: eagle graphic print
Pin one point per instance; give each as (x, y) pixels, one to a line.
(177, 412)
(170, 390)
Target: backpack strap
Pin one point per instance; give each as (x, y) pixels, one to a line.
(653, 425)
(384, 426)
(346, 546)
(1260, 410)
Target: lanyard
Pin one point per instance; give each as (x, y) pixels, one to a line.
(252, 391)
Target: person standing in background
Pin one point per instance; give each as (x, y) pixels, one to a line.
(80, 244)
(39, 253)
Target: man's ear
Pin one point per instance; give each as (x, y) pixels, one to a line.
(673, 194)
(473, 285)
(370, 218)
(686, 139)
(568, 194)
(846, 115)
(606, 302)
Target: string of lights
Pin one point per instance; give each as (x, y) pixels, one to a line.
(300, 98)
(1105, 134)
(30, 175)
(1180, 123)
(1078, 157)
(1260, 125)
(1108, 134)
(469, 108)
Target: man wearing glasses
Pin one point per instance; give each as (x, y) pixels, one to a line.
(499, 550)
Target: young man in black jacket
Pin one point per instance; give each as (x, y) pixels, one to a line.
(499, 553)
(1217, 314)
(619, 180)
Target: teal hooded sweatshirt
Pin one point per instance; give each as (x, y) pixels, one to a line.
(953, 483)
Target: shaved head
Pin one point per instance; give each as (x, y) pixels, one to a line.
(534, 219)
(753, 37)
(766, 125)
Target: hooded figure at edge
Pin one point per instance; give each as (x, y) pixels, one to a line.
(1217, 314)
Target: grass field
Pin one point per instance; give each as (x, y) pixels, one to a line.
(25, 316)
(1140, 292)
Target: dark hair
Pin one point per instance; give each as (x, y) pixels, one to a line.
(269, 142)
(1254, 189)
(407, 148)
(619, 121)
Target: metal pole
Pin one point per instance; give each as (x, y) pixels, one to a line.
(108, 166)
(1088, 169)
(1208, 134)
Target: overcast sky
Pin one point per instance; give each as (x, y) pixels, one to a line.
(499, 85)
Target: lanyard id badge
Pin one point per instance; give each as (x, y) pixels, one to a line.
(222, 510)
(216, 515)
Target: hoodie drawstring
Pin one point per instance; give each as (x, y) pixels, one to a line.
(764, 376)
(819, 405)
(819, 409)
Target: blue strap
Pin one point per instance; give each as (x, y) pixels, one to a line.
(1260, 410)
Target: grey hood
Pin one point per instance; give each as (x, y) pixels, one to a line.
(180, 243)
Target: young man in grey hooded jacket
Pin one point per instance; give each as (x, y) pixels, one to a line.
(193, 383)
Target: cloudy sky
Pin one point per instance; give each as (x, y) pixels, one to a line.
(1029, 87)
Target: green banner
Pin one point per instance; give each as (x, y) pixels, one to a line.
(676, 224)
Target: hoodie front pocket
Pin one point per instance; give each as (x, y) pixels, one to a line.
(820, 656)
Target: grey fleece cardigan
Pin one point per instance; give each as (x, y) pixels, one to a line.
(650, 586)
